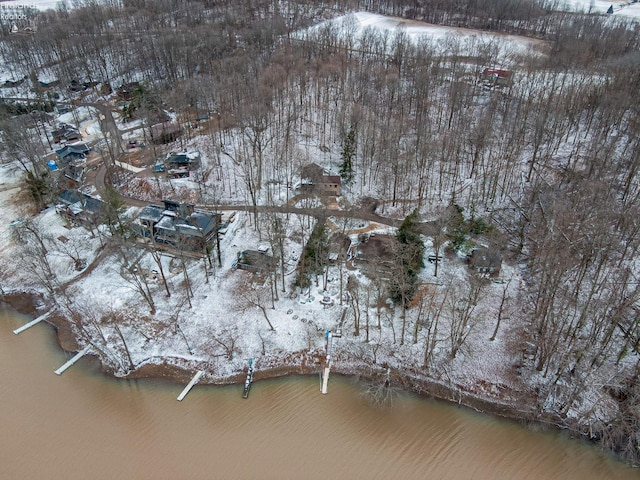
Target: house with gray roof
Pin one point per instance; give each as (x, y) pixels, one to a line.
(179, 225)
(65, 133)
(183, 160)
(80, 208)
(69, 153)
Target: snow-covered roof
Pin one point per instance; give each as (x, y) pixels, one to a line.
(166, 223)
(151, 213)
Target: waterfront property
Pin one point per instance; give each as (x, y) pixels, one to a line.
(179, 225)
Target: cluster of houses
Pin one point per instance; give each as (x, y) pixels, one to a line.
(174, 224)
(70, 160)
(376, 257)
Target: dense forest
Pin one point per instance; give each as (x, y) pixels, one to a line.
(550, 161)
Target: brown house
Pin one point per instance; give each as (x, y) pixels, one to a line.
(314, 180)
(66, 133)
(485, 260)
(496, 77)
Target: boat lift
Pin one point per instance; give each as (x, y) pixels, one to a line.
(249, 380)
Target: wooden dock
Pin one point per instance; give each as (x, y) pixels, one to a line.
(75, 358)
(31, 323)
(193, 381)
(327, 365)
(249, 380)
(325, 378)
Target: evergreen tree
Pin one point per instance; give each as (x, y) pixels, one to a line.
(410, 254)
(314, 255)
(38, 188)
(348, 156)
(113, 209)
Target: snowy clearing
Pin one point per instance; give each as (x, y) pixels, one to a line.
(358, 27)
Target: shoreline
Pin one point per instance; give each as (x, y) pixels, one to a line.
(181, 371)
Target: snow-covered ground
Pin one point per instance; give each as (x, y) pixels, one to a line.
(620, 7)
(228, 305)
(227, 318)
(356, 27)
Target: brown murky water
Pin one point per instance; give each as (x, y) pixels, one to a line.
(83, 425)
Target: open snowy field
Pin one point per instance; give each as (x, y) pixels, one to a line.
(358, 26)
(620, 8)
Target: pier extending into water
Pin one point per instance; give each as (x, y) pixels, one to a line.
(327, 365)
(31, 323)
(193, 381)
(73, 360)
